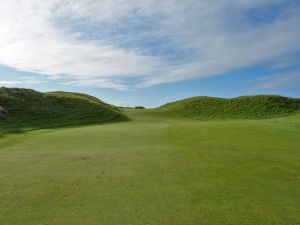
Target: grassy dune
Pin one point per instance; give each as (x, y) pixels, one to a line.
(245, 107)
(153, 170)
(28, 109)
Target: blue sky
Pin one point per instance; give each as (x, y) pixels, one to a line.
(150, 52)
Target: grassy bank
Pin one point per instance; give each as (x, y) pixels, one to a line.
(29, 109)
(245, 107)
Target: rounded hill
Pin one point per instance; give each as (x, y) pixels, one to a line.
(245, 107)
(26, 108)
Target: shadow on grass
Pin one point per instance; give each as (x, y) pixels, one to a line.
(21, 130)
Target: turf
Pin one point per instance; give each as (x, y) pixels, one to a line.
(153, 170)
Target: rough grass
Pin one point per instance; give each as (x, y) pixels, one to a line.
(25, 108)
(154, 170)
(245, 107)
(81, 96)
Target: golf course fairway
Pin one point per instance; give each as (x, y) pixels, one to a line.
(153, 170)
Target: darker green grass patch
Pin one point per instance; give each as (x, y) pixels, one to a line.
(245, 107)
(29, 109)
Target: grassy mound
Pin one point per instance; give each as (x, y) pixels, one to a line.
(246, 107)
(25, 108)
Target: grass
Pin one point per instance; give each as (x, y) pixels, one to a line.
(245, 107)
(29, 109)
(153, 170)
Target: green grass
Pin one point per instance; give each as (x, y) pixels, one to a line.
(29, 109)
(245, 107)
(153, 170)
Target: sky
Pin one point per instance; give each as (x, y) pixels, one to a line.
(150, 52)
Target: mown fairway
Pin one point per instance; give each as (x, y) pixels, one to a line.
(153, 170)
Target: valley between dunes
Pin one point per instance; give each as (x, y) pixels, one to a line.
(153, 169)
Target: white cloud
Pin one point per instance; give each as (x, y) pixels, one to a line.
(30, 42)
(216, 36)
(278, 80)
(9, 83)
(99, 82)
(20, 82)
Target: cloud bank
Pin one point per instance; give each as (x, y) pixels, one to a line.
(103, 43)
